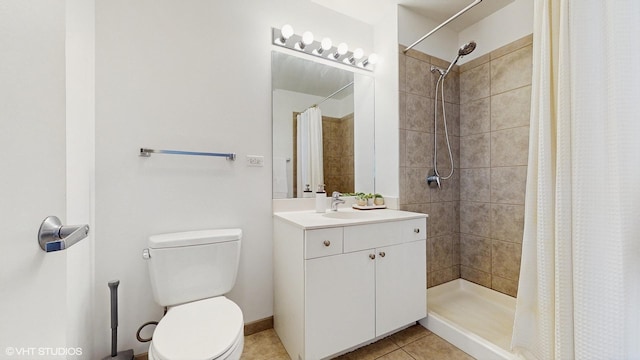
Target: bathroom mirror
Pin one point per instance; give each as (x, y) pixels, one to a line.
(323, 128)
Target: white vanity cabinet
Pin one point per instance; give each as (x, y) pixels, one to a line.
(337, 287)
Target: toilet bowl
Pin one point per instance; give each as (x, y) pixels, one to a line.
(202, 330)
(189, 273)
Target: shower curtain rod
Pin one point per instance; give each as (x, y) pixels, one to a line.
(476, 2)
(330, 96)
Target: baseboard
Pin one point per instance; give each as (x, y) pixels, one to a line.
(258, 325)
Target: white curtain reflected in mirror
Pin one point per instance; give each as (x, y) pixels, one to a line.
(310, 160)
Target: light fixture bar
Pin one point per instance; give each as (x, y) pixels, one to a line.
(315, 48)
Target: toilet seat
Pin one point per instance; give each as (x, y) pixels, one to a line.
(202, 330)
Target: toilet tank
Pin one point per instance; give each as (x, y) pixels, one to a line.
(194, 265)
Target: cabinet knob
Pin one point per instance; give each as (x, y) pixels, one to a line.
(326, 243)
(416, 230)
(382, 254)
(372, 256)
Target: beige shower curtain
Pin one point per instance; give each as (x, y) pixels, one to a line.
(579, 290)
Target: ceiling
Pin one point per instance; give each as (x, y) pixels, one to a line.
(370, 12)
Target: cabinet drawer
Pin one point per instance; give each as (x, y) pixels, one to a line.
(322, 242)
(415, 229)
(371, 236)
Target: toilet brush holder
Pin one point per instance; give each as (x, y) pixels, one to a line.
(115, 355)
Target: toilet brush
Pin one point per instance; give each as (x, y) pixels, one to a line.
(115, 355)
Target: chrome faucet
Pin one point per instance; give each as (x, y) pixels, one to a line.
(335, 200)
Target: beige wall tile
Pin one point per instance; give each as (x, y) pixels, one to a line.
(450, 190)
(451, 87)
(475, 117)
(475, 252)
(475, 151)
(475, 83)
(444, 218)
(444, 162)
(438, 277)
(511, 71)
(475, 63)
(506, 259)
(441, 63)
(417, 189)
(440, 252)
(505, 286)
(511, 108)
(513, 46)
(418, 55)
(507, 222)
(508, 184)
(418, 77)
(475, 184)
(452, 111)
(510, 147)
(403, 148)
(419, 208)
(419, 148)
(402, 73)
(476, 276)
(419, 113)
(404, 187)
(455, 239)
(475, 218)
(402, 107)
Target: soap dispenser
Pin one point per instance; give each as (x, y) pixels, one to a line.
(307, 193)
(321, 199)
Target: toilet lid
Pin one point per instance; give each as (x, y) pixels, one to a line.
(201, 330)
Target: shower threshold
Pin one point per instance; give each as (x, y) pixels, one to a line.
(475, 319)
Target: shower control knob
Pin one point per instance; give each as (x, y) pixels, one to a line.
(382, 254)
(145, 254)
(326, 243)
(416, 230)
(372, 256)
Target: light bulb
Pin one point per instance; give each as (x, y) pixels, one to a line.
(307, 37)
(285, 33)
(342, 48)
(357, 53)
(371, 60)
(326, 44)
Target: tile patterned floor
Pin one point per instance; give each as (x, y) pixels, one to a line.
(413, 343)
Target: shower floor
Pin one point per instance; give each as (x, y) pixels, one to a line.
(476, 319)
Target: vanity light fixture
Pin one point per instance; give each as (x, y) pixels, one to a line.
(325, 45)
(371, 60)
(357, 55)
(307, 39)
(341, 50)
(285, 34)
(286, 37)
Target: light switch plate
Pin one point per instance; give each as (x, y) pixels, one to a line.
(255, 160)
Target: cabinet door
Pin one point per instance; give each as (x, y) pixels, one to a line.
(401, 283)
(340, 302)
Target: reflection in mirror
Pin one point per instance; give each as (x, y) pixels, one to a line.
(322, 128)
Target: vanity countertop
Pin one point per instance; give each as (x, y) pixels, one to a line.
(344, 217)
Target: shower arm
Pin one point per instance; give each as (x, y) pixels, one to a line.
(476, 2)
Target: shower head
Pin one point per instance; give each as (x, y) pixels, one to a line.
(464, 50)
(467, 48)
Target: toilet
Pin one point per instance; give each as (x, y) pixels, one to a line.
(190, 272)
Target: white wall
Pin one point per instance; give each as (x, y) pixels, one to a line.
(443, 44)
(508, 24)
(80, 154)
(195, 76)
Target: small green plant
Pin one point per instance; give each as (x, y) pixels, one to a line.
(377, 196)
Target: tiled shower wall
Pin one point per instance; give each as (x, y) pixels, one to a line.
(417, 91)
(495, 98)
(476, 220)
